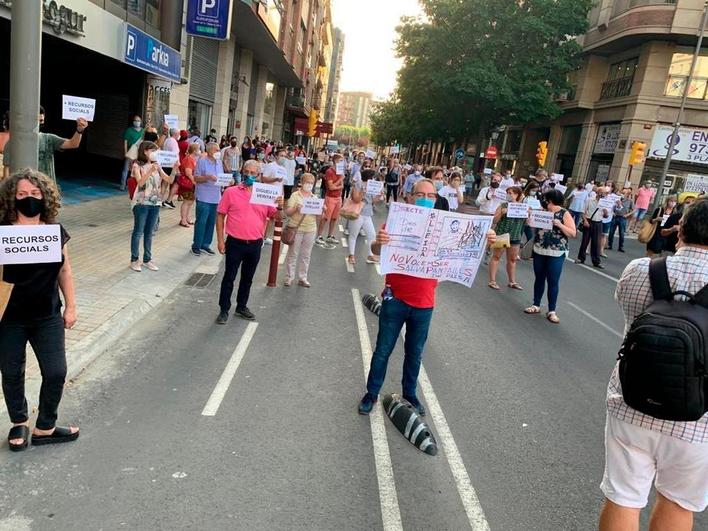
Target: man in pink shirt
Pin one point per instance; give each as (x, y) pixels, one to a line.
(645, 195)
(239, 234)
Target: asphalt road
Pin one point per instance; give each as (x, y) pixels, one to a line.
(519, 400)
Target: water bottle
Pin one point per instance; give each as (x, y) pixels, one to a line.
(387, 293)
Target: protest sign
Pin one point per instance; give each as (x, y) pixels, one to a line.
(224, 179)
(312, 205)
(540, 219)
(557, 178)
(696, 183)
(167, 159)
(280, 173)
(500, 194)
(488, 171)
(74, 107)
(562, 189)
(535, 204)
(614, 197)
(374, 187)
(370, 154)
(340, 168)
(172, 121)
(30, 244)
(301, 160)
(517, 210)
(428, 243)
(265, 194)
(664, 219)
(606, 202)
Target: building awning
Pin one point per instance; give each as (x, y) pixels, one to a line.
(249, 32)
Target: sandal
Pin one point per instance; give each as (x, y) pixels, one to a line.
(304, 284)
(183, 224)
(514, 285)
(552, 317)
(533, 309)
(18, 432)
(493, 285)
(59, 435)
(351, 259)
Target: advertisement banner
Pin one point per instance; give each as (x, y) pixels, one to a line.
(607, 138)
(691, 145)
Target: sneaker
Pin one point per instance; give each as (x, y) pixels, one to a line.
(267, 241)
(208, 250)
(416, 405)
(245, 313)
(196, 252)
(371, 260)
(346, 232)
(329, 246)
(287, 283)
(151, 266)
(603, 255)
(223, 318)
(332, 239)
(367, 403)
(620, 250)
(304, 284)
(320, 241)
(168, 204)
(598, 266)
(136, 266)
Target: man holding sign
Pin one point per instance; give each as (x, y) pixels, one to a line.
(239, 233)
(334, 183)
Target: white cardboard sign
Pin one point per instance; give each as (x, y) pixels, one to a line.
(74, 107)
(500, 194)
(340, 167)
(30, 244)
(488, 171)
(224, 179)
(265, 194)
(517, 210)
(172, 121)
(562, 189)
(167, 159)
(540, 219)
(281, 173)
(557, 178)
(534, 203)
(374, 187)
(312, 205)
(370, 154)
(301, 160)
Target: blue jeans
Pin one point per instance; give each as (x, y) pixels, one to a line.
(547, 269)
(204, 223)
(126, 171)
(144, 221)
(394, 313)
(237, 176)
(577, 217)
(621, 223)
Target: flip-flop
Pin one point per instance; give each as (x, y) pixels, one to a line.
(494, 285)
(552, 317)
(59, 435)
(18, 432)
(514, 285)
(532, 310)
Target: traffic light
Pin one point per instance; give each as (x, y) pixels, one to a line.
(312, 124)
(542, 153)
(638, 153)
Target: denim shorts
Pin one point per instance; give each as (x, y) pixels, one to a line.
(606, 228)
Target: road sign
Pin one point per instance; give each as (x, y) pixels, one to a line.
(459, 153)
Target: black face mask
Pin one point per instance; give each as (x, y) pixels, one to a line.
(151, 137)
(495, 185)
(30, 206)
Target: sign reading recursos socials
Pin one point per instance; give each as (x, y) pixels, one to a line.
(30, 244)
(209, 18)
(691, 145)
(147, 53)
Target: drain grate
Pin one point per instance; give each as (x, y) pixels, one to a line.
(199, 280)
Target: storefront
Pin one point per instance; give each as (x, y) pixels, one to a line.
(603, 152)
(689, 164)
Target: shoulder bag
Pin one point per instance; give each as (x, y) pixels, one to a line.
(351, 210)
(648, 228)
(288, 237)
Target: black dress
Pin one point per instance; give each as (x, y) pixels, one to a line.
(657, 243)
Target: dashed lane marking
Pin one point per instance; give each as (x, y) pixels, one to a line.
(595, 320)
(594, 270)
(350, 267)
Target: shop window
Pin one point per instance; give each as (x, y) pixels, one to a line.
(619, 79)
(679, 72)
(199, 116)
(152, 13)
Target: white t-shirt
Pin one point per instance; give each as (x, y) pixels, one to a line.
(171, 145)
(290, 166)
(506, 182)
(449, 193)
(273, 170)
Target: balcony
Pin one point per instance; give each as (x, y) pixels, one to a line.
(616, 88)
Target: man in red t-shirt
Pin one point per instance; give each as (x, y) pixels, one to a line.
(334, 182)
(408, 300)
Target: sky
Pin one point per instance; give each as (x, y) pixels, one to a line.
(369, 27)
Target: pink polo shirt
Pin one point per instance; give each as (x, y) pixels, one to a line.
(244, 220)
(644, 196)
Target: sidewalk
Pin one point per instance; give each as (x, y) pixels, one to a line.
(111, 297)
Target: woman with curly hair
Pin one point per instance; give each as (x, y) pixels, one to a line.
(33, 314)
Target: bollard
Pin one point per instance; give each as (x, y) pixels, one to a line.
(275, 252)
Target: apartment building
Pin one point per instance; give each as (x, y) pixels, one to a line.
(353, 108)
(335, 77)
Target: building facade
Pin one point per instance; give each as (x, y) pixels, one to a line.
(335, 76)
(353, 108)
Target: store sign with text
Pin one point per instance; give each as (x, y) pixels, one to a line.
(59, 17)
(147, 53)
(691, 144)
(607, 138)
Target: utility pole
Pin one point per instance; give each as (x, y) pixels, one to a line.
(679, 118)
(25, 61)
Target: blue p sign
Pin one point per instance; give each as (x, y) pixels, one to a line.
(206, 5)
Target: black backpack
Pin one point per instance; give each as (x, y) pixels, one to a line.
(663, 358)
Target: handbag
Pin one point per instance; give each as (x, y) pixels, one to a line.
(185, 183)
(503, 241)
(647, 229)
(5, 292)
(351, 210)
(526, 252)
(288, 237)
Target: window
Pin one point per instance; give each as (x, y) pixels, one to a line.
(137, 8)
(152, 13)
(619, 79)
(678, 76)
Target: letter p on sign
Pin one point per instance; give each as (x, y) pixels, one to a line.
(207, 5)
(130, 47)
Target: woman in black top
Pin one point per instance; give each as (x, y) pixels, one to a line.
(658, 242)
(33, 314)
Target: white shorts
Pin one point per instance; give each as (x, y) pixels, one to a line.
(635, 456)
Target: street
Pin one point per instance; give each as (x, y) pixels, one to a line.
(516, 403)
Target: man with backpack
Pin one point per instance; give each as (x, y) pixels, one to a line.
(657, 398)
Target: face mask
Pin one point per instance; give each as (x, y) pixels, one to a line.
(151, 137)
(281, 161)
(216, 155)
(417, 173)
(438, 185)
(424, 202)
(249, 180)
(523, 183)
(30, 206)
(307, 187)
(234, 143)
(261, 156)
(495, 185)
(510, 198)
(152, 156)
(533, 193)
(137, 124)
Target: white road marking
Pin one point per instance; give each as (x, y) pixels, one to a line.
(212, 405)
(341, 229)
(350, 267)
(378, 269)
(594, 270)
(344, 242)
(596, 320)
(283, 254)
(390, 512)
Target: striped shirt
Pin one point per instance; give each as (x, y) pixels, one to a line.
(688, 271)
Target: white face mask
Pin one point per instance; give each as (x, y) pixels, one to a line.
(217, 155)
(307, 187)
(153, 156)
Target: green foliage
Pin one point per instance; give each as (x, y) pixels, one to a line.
(476, 63)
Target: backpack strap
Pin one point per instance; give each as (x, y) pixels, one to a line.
(701, 297)
(659, 280)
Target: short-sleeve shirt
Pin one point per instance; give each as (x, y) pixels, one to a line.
(414, 291)
(132, 136)
(35, 294)
(48, 144)
(171, 145)
(244, 220)
(368, 199)
(148, 194)
(331, 177)
(449, 193)
(208, 192)
(644, 196)
(308, 222)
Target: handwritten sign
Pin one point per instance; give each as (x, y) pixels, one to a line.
(30, 244)
(340, 167)
(535, 204)
(517, 210)
(370, 154)
(428, 243)
(172, 121)
(312, 205)
(562, 189)
(488, 171)
(607, 203)
(374, 187)
(540, 219)
(167, 159)
(74, 107)
(301, 160)
(265, 194)
(500, 194)
(280, 173)
(224, 179)
(557, 178)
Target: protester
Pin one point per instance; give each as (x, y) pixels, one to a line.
(365, 219)
(290, 169)
(406, 300)
(641, 449)
(577, 203)
(183, 144)
(171, 144)
(248, 152)
(656, 245)
(486, 200)
(436, 174)
(239, 234)
(208, 195)
(334, 183)
(549, 253)
(231, 159)
(151, 135)
(224, 142)
(507, 181)
(187, 184)
(671, 227)
(197, 137)
(410, 180)
(531, 193)
(33, 315)
(146, 202)
(592, 230)
(132, 136)
(47, 145)
(211, 138)
(453, 191)
(621, 213)
(393, 177)
(514, 228)
(645, 196)
(305, 225)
